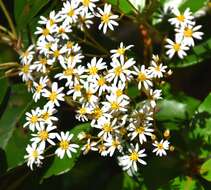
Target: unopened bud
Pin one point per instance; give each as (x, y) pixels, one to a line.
(153, 137)
(171, 148)
(166, 133)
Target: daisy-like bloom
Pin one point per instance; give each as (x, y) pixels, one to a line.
(44, 135)
(85, 20)
(27, 55)
(33, 119)
(89, 146)
(47, 114)
(65, 146)
(45, 33)
(99, 84)
(118, 90)
(63, 30)
(82, 113)
(39, 87)
(120, 71)
(74, 58)
(135, 155)
(107, 127)
(139, 130)
(34, 155)
(154, 95)
(113, 144)
(75, 90)
(143, 77)
(70, 11)
(88, 5)
(68, 73)
(189, 33)
(42, 63)
(161, 147)
(94, 67)
(181, 19)
(115, 104)
(55, 95)
(107, 18)
(157, 69)
(176, 47)
(102, 150)
(44, 46)
(57, 53)
(120, 52)
(26, 72)
(53, 18)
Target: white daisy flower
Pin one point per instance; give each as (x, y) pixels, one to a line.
(65, 146)
(99, 84)
(44, 135)
(34, 155)
(26, 71)
(88, 5)
(33, 119)
(47, 114)
(181, 19)
(57, 53)
(27, 55)
(63, 30)
(55, 95)
(107, 18)
(52, 19)
(176, 47)
(85, 20)
(44, 46)
(120, 71)
(113, 144)
(42, 64)
(143, 77)
(156, 70)
(45, 33)
(75, 90)
(189, 33)
(89, 146)
(82, 113)
(135, 156)
(154, 95)
(39, 87)
(120, 52)
(161, 147)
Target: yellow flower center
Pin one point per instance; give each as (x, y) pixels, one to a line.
(105, 18)
(121, 51)
(82, 111)
(114, 105)
(140, 130)
(188, 32)
(119, 92)
(77, 87)
(101, 81)
(53, 96)
(25, 69)
(25, 54)
(64, 144)
(115, 143)
(52, 21)
(39, 88)
(71, 12)
(107, 128)
(56, 53)
(68, 72)
(142, 76)
(181, 18)
(69, 44)
(118, 70)
(160, 146)
(176, 47)
(93, 70)
(48, 45)
(134, 156)
(45, 32)
(61, 30)
(43, 135)
(97, 113)
(35, 154)
(34, 119)
(43, 61)
(86, 3)
(88, 95)
(45, 116)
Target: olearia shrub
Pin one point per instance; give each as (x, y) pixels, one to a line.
(112, 92)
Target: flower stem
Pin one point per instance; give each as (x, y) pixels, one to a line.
(9, 19)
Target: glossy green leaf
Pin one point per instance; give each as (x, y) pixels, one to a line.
(4, 84)
(60, 166)
(25, 10)
(205, 105)
(193, 5)
(18, 141)
(129, 183)
(206, 170)
(18, 102)
(197, 55)
(123, 5)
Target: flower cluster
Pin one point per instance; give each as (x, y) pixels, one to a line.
(55, 68)
(186, 32)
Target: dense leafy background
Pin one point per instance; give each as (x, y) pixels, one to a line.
(185, 110)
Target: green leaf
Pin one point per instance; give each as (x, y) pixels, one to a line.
(193, 5)
(60, 166)
(25, 10)
(123, 5)
(205, 170)
(18, 102)
(183, 183)
(18, 141)
(129, 183)
(198, 54)
(4, 84)
(205, 106)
